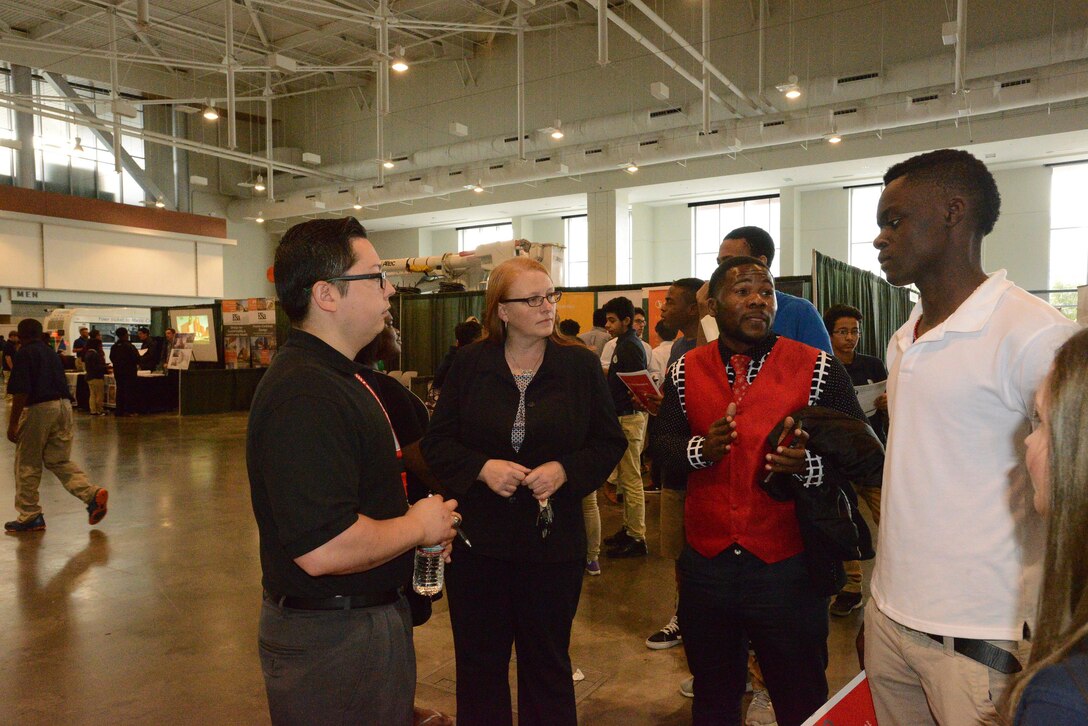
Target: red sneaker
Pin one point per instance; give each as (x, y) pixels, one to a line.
(96, 510)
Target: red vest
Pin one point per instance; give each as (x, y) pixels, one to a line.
(725, 504)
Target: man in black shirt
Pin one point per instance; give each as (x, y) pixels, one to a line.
(629, 357)
(40, 426)
(844, 325)
(125, 360)
(336, 531)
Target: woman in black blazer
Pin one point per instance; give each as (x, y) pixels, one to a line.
(524, 429)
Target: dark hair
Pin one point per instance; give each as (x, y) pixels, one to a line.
(833, 313)
(143, 330)
(569, 327)
(718, 278)
(759, 241)
(121, 333)
(665, 331)
(170, 330)
(955, 172)
(690, 286)
(96, 334)
(468, 332)
(95, 344)
(309, 252)
(621, 307)
(599, 318)
(29, 329)
(640, 311)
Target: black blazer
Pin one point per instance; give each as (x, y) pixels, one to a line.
(569, 418)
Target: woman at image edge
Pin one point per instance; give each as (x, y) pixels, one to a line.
(1053, 688)
(524, 429)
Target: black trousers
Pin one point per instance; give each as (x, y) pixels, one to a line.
(498, 603)
(734, 599)
(126, 388)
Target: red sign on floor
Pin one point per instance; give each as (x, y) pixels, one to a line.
(852, 706)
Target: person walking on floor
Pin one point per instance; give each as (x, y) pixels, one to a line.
(40, 426)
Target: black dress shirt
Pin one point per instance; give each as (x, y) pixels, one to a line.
(569, 418)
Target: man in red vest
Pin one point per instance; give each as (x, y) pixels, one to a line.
(743, 575)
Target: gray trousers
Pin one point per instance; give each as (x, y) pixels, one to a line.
(335, 667)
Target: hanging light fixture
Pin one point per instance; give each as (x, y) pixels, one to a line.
(258, 185)
(557, 130)
(631, 167)
(790, 89)
(388, 164)
(78, 145)
(400, 63)
(834, 138)
(259, 219)
(479, 188)
(209, 111)
(358, 204)
(160, 203)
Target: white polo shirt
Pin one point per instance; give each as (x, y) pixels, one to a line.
(960, 546)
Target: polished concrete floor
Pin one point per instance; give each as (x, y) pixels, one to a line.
(150, 617)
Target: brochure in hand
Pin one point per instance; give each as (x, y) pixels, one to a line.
(640, 383)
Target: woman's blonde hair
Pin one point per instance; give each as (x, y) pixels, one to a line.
(1063, 599)
(499, 283)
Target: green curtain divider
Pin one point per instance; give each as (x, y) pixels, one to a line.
(885, 307)
(426, 323)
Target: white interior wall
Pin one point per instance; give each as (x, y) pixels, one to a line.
(823, 222)
(245, 265)
(1020, 242)
(395, 243)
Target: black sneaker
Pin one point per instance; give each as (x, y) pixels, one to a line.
(618, 538)
(34, 525)
(845, 603)
(667, 637)
(96, 509)
(631, 548)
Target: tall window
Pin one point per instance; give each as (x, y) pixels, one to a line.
(711, 221)
(1068, 235)
(576, 235)
(469, 238)
(7, 131)
(70, 159)
(863, 228)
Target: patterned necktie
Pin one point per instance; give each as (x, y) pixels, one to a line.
(740, 375)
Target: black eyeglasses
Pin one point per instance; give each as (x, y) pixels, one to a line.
(536, 300)
(379, 276)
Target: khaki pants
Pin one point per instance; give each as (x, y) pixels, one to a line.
(628, 475)
(97, 397)
(45, 439)
(917, 681)
(592, 516)
(672, 522)
(871, 497)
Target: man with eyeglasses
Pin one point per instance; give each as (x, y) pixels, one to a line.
(336, 532)
(844, 324)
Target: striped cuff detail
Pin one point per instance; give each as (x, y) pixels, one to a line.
(814, 466)
(695, 453)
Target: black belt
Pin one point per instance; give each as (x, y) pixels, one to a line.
(983, 652)
(340, 602)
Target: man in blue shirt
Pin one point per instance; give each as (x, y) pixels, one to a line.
(797, 318)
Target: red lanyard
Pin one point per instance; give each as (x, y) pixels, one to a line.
(396, 442)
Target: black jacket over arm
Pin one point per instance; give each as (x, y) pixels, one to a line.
(569, 418)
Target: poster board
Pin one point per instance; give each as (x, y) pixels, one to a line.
(249, 332)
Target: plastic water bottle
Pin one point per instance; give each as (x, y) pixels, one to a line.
(429, 570)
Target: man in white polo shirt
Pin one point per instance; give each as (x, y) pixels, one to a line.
(955, 583)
